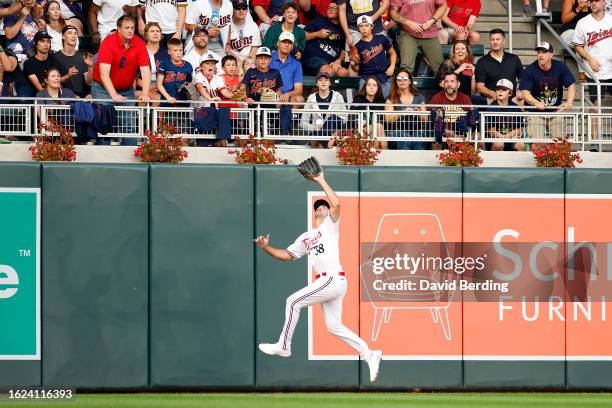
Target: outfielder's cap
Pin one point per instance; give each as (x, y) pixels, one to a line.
(364, 20)
(544, 46)
(200, 30)
(505, 83)
(68, 27)
(263, 51)
(319, 203)
(322, 75)
(40, 35)
(210, 57)
(285, 35)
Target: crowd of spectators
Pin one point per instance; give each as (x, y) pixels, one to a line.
(167, 52)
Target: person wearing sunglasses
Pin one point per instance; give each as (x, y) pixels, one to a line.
(404, 96)
(243, 33)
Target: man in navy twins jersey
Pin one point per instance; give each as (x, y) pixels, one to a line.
(321, 244)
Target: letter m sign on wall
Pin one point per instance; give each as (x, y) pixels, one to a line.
(19, 274)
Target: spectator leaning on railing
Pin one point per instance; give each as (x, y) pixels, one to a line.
(370, 98)
(542, 87)
(121, 54)
(262, 78)
(450, 97)
(420, 22)
(316, 119)
(497, 64)
(404, 96)
(504, 126)
(593, 42)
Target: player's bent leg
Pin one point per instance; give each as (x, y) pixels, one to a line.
(332, 311)
(319, 291)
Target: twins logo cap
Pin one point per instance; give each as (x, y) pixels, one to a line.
(263, 51)
(544, 46)
(364, 20)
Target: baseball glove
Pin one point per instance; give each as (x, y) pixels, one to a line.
(354, 55)
(268, 95)
(310, 168)
(239, 93)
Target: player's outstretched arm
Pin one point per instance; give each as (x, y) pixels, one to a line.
(264, 243)
(332, 197)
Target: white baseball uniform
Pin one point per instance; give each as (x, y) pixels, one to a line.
(243, 38)
(596, 38)
(164, 12)
(322, 247)
(109, 13)
(195, 59)
(205, 14)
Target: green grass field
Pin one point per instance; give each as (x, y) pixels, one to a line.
(331, 400)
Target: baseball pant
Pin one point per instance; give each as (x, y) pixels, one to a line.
(329, 292)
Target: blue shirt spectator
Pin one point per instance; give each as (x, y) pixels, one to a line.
(545, 79)
(290, 69)
(175, 76)
(326, 41)
(374, 57)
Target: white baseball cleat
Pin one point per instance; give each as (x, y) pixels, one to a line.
(274, 349)
(374, 364)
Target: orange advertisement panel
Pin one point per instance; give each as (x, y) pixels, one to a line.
(589, 229)
(392, 326)
(517, 327)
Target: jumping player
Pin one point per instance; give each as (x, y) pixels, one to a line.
(321, 246)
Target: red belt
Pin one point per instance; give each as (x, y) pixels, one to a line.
(317, 276)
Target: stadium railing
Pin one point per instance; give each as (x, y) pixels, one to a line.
(582, 125)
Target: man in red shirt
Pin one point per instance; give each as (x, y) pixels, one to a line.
(450, 97)
(460, 22)
(119, 57)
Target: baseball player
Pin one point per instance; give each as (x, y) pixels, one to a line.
(321, 246)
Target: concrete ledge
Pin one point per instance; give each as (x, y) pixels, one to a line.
(125, 154)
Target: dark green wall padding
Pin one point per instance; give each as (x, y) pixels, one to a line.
(150, 278)
(95, 275)
(22, 373)
(202, 298)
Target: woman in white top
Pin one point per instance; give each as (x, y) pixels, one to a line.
(321, 123)
(153, 37)
(55, 24)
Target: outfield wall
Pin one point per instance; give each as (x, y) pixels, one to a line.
(150, 278)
